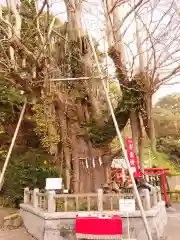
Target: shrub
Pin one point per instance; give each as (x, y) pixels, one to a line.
(22, 173)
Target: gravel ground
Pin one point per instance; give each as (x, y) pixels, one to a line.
(14, 234)
(172, 231)
(17, 234)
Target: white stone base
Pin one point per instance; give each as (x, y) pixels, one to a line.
(61, 226)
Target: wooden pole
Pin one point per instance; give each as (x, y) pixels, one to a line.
(12, 145)
(78, 78)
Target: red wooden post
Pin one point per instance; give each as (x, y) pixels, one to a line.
(163, 182)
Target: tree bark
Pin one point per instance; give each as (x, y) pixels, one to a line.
(140, 145)
(135, 130)
(149, 122)
(74, 19)
(50, 115)
(75, 165)
(65, 142)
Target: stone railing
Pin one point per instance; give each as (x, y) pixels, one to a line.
(51, 202)
(150, 199)
(50, 216)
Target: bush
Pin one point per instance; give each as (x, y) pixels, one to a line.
(25, 173)
(171, 147)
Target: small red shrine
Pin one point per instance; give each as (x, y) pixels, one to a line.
(154, 176)
(159, 175)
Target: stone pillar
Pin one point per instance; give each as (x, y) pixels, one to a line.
(100, 200)
(145, 198)
(35, 198)
(26, 195)
(159, 198)
(154, 197)
(51, 201)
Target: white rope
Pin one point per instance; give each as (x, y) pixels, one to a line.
(119, 136)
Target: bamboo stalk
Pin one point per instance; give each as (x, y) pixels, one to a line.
(12, 144)
(12, 216)
(78, 78)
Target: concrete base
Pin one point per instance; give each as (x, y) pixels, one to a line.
(61, 225)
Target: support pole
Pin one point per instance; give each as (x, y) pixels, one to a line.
(120, 138)
(12, 145)
(77, 79)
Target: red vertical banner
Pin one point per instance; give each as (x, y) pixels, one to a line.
(134, 164)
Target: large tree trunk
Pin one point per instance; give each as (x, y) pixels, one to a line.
(85, 104)
(65, 141)
(75, 34)
(149, 122)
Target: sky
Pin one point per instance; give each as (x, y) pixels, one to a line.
(93, 15)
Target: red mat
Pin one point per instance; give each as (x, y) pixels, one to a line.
(98, 225)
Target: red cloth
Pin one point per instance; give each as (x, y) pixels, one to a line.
(133, 161)
(99, 226)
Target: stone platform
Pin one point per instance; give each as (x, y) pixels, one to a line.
(61, 225)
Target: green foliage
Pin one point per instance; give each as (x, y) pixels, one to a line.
(167, 117)
(43, 123)
(10, 105)
(41, 127)
(171, 147)
(114, 89)
(167, 125)
(10, 100)
(29, 170)
(115, 93)
(132, 98)
(170, 103)
(1, 129)
(104, 135)
(160, 160)
(29, 32)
